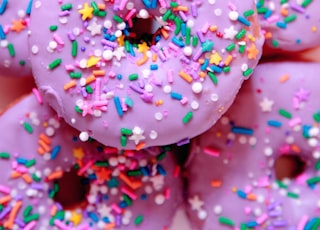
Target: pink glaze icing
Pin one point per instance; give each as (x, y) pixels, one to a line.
(290, 25)
(128, 189)
(231, 169)
(132, 96)
(14, 22)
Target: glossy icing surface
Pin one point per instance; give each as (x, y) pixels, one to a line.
(134, 94)
(127, 189)
(233, 181)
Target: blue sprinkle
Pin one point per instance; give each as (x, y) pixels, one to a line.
(267, 14)
(281, 25)
(298, 41)
(92, 177)
(117, 103)
(2, 34)
(93, 216)
(126, 33)
(241, 194)
(176, 96)
(242, 130)
(29, 7)
(216, 69)
(105, 197)
(113, 38)
(129, 102)
(145, 171)
(55, 151)
(252, 224)
(310, 223)
(106, 220)
(183, 29)
(143, 196)
(147, 3)
(154, 4)
(21, 161)
(244, 21)
(205, 65)
(274, 123)
(153, 67)
(161, 170)
(123, 204)
(3, 6)
(305, 130)
(119, 76)
(177, 42)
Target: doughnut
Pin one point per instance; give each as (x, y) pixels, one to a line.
(52, 180)
(290, 25)
(258, 167)
(131, 77)
(14, 24)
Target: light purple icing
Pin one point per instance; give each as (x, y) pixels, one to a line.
(130, 189)
(14, 22)
(290, 26)
(231, 170)
(171, 96)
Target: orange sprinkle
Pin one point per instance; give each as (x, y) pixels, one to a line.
(164, 33)
(5, 199)
(15, 174)
(154, 57)
(216, 183)
(55, 175)
(228, 60)
(213, 28)
(201, 61)
(99, 72)
(27, 178)
(295, 149)
(181, 8)
(284, 78)
(44, 146)
(234, 189)
(69, 85)
(132, 184)
(268, 35)
(284, 12)
(202, 74)
(102, 6)
(185, 76)
(14, 211)
(90, 79)
(140, 146)
(41, 151)
(251, 196)
(110, 226)
(314, 29)
(45, 138)
(53, 210)
(142, 60)
(159, 102)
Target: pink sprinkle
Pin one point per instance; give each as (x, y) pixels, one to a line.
(69, 68)
(248, 189)
(273, 18)
(112, 74)
(129, 193)
(4, 189)
(98, 89)
(295, 121)
(205, 28)
(167, 193)
(184, 101)
(38, 95)
(170, 76)
(284, 149)
(173, 47)
(133, 165)
(123, 3)
(85, 167)
(211, 151)
(58, 39)
(21, 169)
(130, 14)
(247, 210)
(263, 218)
(116, 208)
(30, 225)
(232, 6)
(295, 103)
(176, 171)
(61, 225)
(163, 4)
(303, 221)
(84, 227)
(100, 103)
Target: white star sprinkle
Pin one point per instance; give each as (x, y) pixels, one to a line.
(137, 135)
(266, 105)
(230, 33)
(104, 210)
(119, 53)
(94, 28)
(196, 203)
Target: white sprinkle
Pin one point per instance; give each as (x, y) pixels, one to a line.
(84, 136)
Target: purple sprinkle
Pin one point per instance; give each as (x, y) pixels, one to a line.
(37, 186)
(84, 92)
(279, 223)
(136, 88)
(197, 55)
(71, 36)
(118, 220)
(64, 13)
(194, 10)
(183, 142)
(86, 39)
(147, 97)
(109, 43)
(20, 222)
(200, 36)
(5, 212)
(184, 59)
(141, 84)
(297, 8)
(275, 213)
(183, 16)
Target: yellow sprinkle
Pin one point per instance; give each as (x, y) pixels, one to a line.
(78, 153)
(92, 61)
(215, 58)
(76, 218)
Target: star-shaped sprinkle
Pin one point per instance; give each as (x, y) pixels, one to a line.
(157, 182)
(252, 51)
(86, 12)
(18, 25)
(215, 58)
(119, 53)
(266, 105)
(78, 153)
(92, 61)
(143, 48)
(75, 218)
(104, 210)
(137, 135)
(302, 94)
(196, 203)
(94, 28)
(230, 33)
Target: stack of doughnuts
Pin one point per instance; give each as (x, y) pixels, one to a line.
(142, 107)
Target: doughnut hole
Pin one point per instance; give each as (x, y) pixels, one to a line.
(144, 30)
(289, 166)
(72, 190)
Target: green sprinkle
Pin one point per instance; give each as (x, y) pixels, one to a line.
(32, 217)
(101, 14)
(231, 47)
(127, 199)
(316, 224)
(187, 117)
(317, 165)
(89, 89)
(74, 50)
(262, 10)
(226, 221)
(290, 18)
(275, 43)
(95, 7)
(248, 72)
(53, 28)
(30, 163)
(134, 173)
(55, 63)
(4, 155)
(77, 109)
(166, 15)
(313, 180)
(243, 226)
(178, 23)
(292, 195)
(123, 141)
(283, 2)
(1, 207)
(117, 19)
(127, 45)
(11, 50)
(174, 4)
(316, 117)
(248, 13)
(133, 77)
(242, 48)
(27, 211)
(305, 3)
(213, 77)
(188, 35)
(67, 6)
(240, 34)
(35, 177)
(75, 75)
(22, 62)
(226, 69)
(101, 164)
(285, 113)
(281, 184)
(27, 127)
(126, 132)
(138, 220)
(161, 156)
(194, 41)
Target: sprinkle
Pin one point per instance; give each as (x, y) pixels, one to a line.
(226, 221)
(4, 155)
(274, 123)
(242, 130)
(285, 113)
(74, 49)
(211, 151)
(3, 6)
(138, 220)
(27, 127)
(117, 104)
(11, 50)
(55, 63)
(186, 119)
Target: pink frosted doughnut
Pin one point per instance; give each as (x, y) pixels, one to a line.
(129, 93)
(290, 25)
(51, 180)
(14, 23)
(234, 172)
